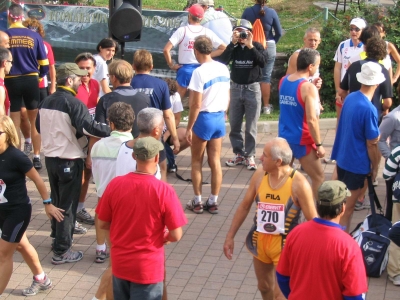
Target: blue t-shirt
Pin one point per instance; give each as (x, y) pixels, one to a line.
(358, 123)
(156, 88)
(269, 21)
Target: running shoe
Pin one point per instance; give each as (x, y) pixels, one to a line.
(237, 160)
(68, 257)
(328, 160)
(395, 279)
(27, 148)
(250, 163)
(37, 286)
(361, 205)
(267, 109)
(79, 229)
(172, 169)
(84, 217)
(101, 256)
(211, 208)
(37, 164)
(197, 208)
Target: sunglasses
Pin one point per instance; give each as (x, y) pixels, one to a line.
(355, 29)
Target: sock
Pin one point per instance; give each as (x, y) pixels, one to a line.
(81, 205)
(40, 277)
(197, 199)
(94, 298)
(212, 199)
(101, 247)
(36, 156)
(28, 140)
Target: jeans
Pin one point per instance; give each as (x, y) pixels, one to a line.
(126, 290)
(245, 101)
(65, 177)
(269, 66)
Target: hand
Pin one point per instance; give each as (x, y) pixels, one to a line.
(248, 42)
(228, 248)
(338, 99)
(320, 152)
(395, 78)
(88, 162)
(54, 212)
(177, 145)
(175, 67)
(235, 37)
(188, 136)
(166, 233)
(52, 89)
(317, 82)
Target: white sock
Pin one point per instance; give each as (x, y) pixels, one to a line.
(94, 298)
(81, 205)
(28, 140)
(197, 199)
(36, 156)
(212, 199)
(41, 276)
(101, 247)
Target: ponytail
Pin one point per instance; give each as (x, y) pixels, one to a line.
(262, 11)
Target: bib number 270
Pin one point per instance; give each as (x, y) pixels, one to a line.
(270, 218)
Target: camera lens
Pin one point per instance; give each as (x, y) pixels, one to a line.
(243, 35)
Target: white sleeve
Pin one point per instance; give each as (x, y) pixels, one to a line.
(196, 83)
(176, 103)
(177, 36)
(338, 54)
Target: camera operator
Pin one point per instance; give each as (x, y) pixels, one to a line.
(248, 58)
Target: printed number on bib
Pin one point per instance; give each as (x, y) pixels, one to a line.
(270, 218)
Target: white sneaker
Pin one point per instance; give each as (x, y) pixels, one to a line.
(395, 280)
(328, 160)
(250, 163)
(375, 183)
(267, 109)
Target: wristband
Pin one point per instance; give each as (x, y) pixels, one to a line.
(318, 145)
(48, 201)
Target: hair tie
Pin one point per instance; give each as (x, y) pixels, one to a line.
(15, 17)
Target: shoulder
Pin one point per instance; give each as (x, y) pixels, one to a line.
(258, 46)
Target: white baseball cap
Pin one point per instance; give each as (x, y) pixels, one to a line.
(371, 74)
(360, 23)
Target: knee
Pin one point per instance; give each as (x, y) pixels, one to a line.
(265, 287)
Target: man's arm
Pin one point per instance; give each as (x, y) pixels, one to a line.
(260, 55)
(310, 95)
(221, 48)
(174, 235)
(374, 155)
(2, 101)
(242, 212)
(386, 129)
(167, 54)
(104, 86)
(302, 193)
(169, 119)
(104, 225)
(393, 52)
(386, 104)
(292, 65)
(195, 99)
(52, 75)
(336, 78)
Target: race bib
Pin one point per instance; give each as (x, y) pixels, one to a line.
(92, 112)
(271, 218)
(2, 191)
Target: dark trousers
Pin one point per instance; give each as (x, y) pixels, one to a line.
(65, 177)
(127, 290)
(389, 200)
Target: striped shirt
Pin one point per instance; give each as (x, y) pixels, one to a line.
(392, 164)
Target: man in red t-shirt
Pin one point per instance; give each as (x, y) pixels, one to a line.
(322, 253)
(88, 93)
(136, 208)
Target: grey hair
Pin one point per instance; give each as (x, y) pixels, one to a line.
(148, 119)
(311, 30)
(306, 57)
(280, 149)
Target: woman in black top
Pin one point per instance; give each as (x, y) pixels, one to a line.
(16, 209)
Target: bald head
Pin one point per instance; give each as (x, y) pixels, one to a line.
(280, 149)
(4, 40)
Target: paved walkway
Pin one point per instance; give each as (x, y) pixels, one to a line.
(196, 266)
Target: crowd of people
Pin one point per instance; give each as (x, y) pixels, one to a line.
(116, 123)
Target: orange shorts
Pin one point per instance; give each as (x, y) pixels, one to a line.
(265, 247)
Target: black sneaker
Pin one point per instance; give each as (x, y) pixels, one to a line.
(68, 257)
(37, 164)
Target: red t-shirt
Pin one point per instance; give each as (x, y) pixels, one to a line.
(323, 262)
(50, 56)
(89, 98)
(139, 207)
(6, 100)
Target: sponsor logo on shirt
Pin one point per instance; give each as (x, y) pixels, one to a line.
(287, 100)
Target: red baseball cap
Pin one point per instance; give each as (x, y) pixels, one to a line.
(196, 10)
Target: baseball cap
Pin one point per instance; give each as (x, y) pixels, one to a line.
(69, 69)
(243, 24)
(332, 192)
(147, 147)
(371, 74)
(360, 23)
(206, 2)
(196, 10)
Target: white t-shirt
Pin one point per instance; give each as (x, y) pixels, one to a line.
(219, 23)
(176, 103)
(101, 72)
(344, 52)
(212, 79)
(126, 164)
(184, 37)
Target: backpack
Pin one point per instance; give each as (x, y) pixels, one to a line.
(258, 33)
(372, 237)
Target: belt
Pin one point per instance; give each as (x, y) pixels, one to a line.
(241, 86)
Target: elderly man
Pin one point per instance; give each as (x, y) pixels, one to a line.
(360, 144)
(324, 249)
(298, 122)
(184, 39)
(208, 101)
(63, 123)
(130, 210)
(280, 193)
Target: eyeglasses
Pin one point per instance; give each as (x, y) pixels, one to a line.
(10, 61)
(355, 29)
(1, 132)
